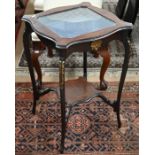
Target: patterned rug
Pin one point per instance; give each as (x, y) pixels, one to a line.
(92, 127)
(116, 49)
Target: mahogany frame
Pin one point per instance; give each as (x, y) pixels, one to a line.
(65, 47)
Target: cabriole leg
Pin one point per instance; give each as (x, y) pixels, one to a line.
(36, 65)
(106, 61)
(122, 79)
(26, 43)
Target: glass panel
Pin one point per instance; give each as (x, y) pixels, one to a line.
(75, 22)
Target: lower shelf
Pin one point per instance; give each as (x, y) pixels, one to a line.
(78, 90)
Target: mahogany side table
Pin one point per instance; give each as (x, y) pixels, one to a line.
(81, 27)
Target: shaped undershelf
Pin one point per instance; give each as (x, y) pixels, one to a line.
(78, 90)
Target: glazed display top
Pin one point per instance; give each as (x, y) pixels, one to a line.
(66, 26)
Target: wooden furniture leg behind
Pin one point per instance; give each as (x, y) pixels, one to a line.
(37, 47)
(35, 62)
(98, 48)
(39, 91)
(104, 53)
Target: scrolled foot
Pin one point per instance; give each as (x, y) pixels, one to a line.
(103, 85)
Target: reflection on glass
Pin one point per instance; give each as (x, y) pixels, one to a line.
(75, 22)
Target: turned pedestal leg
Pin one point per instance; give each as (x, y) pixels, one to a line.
(106, 61)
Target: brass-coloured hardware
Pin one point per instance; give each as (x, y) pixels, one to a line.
(96, 45)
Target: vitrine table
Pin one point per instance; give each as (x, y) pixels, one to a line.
(81, 28)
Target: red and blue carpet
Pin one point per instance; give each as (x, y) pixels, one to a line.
(92, 127)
